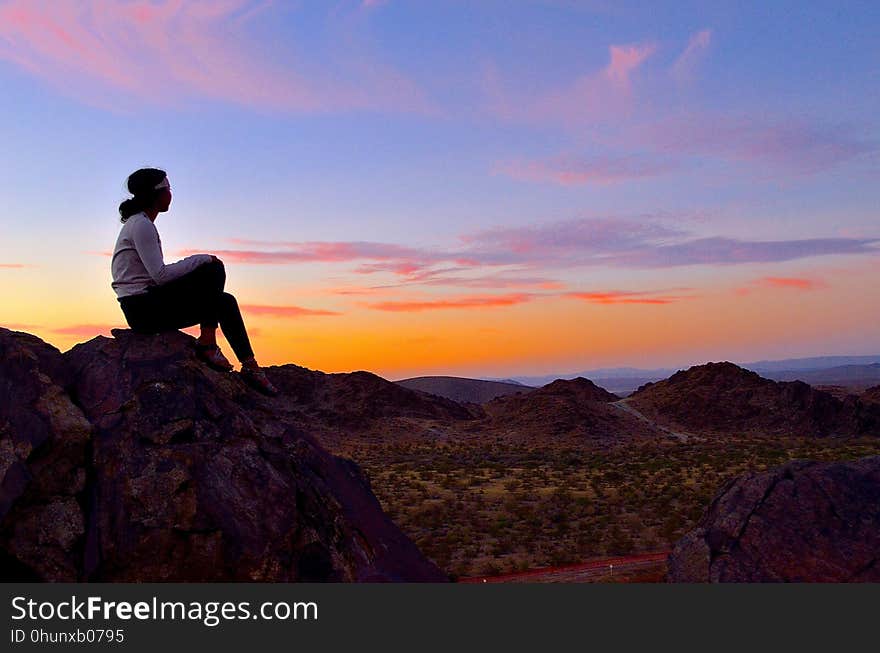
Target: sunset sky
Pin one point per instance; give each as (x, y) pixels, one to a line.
(481, 188)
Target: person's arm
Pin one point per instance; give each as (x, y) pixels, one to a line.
(146, 242)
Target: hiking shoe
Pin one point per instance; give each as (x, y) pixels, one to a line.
(212, 355)
(257, 379)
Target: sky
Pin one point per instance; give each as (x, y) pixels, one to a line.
(481, 188)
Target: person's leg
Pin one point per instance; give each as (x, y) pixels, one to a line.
(233, 328)
(216, 274)
(191, 299)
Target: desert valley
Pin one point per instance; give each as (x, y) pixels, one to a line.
(125, 456)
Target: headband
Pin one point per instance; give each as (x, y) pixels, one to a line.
(163, 184)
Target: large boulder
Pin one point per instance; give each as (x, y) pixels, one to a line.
(804, 521)
(126, 459)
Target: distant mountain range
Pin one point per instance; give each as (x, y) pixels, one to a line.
(761, 367)
(855, 372)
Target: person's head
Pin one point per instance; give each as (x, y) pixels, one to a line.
(151, 190)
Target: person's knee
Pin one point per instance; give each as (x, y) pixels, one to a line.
(228, 300)
(216, 272)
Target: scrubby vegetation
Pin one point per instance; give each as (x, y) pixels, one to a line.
(495, 507)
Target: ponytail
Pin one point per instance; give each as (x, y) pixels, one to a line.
(129, 207)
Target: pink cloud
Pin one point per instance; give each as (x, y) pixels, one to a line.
(283, 311)
(477, 301)
(570, 171)
(642, 242)
(795, 283)
(398, 267)
(627, 297)
(789, 282)
(598, 94)
(101, 51)
(355, 290)
(429, 278)
(398, 259)
(685, 65)
(563, 239)
(625, 59)
(14, 266)
(489, 281)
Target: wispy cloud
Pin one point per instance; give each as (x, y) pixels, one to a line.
(568, 170)
(437, 278)
(580, 242)
(475, 301)
(685, 65)
(629, 296)
(486, 281)
(355, 290)
(391, 257)
(14, 266)
(733, 251)
(597, 94)
(791, 145)
(567, 239)
(100, 51)
(511, 299)
(284, 311)
(793, 283)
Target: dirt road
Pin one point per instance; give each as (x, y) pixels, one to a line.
(584, 572)
(624, 406)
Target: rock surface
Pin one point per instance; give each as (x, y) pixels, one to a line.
(804, 521)
(44, 439)
(871, 395)
(126, 459)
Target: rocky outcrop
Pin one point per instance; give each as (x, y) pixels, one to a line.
(126, 459)
(804, 521)
(463, 390)
(575, 408)
(723, 398)
(871, 395)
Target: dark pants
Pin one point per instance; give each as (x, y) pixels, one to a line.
(195, 298)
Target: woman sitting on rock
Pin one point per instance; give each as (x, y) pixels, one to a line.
(156, 297)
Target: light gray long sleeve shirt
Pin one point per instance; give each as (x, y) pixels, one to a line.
(138, 262)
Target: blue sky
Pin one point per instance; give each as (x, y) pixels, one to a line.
(605, 143)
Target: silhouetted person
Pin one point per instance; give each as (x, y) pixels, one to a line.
(156, 297)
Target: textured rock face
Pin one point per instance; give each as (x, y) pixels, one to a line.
(126, 459)
(724, 398)
(43, 442)
(871, 395)
(804, 521)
